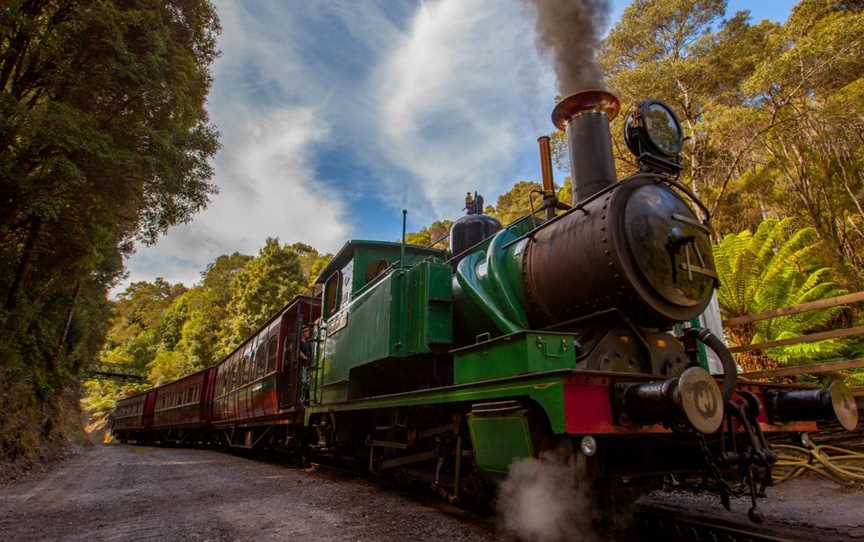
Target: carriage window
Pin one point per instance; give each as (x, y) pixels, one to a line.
(331, 294)
(261, 359)
(271, 354)
(249, 369)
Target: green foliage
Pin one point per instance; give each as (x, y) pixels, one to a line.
(517, 202)
(170, 331)
(263, 286)
(104, 139)
(139, 314)
(773, 112)
(778, 266)
(436, 231)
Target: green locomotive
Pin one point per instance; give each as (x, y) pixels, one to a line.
(554, 332)
(551, 336)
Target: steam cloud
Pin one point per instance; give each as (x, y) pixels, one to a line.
(547, 500)
(571, 30)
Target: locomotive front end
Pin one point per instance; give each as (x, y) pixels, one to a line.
(607, 290)
(636, 246)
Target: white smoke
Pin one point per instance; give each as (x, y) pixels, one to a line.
(547, 500)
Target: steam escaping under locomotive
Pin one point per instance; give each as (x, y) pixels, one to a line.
(565, 331)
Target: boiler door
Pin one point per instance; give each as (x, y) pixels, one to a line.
(670, 246)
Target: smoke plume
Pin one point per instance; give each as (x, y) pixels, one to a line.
(547, 500)
(571, 30)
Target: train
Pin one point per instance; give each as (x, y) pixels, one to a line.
(571, 332)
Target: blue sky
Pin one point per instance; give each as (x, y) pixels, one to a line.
(336, 115)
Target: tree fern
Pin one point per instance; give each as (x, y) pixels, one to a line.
(773, 268)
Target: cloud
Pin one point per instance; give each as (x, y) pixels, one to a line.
(265, 170)
(458, 97)
(334, 115)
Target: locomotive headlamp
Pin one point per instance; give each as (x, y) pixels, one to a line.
(653, 134)
(588, 445)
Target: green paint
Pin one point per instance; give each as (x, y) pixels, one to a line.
(488, 286)
(514, 354)
(363, 253)
(547, 390)
(499, 441)
(406, 313)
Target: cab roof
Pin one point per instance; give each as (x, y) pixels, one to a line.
(346, 254)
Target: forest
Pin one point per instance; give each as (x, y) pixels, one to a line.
(105, 143)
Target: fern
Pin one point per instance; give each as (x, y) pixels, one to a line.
(777, 267)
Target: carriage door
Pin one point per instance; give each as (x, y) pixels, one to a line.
(288, 379)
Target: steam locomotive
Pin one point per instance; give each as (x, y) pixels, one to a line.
(559, 332)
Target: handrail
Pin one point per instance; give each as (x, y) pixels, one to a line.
(827, 303)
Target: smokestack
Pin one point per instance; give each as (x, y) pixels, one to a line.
(586, 116)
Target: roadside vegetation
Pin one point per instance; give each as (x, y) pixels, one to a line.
(105, 142)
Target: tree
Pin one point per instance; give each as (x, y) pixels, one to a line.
(104, 139)
(778, 266)
(517, 202)
(670, 50)
(139, 313)
(433, 235)
(264, 285)
(312, 262)
(810, 122)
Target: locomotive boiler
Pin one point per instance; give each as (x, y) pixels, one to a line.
(565, 330)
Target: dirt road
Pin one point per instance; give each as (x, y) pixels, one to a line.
(122, 493)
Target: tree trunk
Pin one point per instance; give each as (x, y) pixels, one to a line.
(54, 361)
(23, 265)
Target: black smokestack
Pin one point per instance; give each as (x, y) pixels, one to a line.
(585, 116)
(571, 30)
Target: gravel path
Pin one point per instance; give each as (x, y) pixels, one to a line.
(123, 493)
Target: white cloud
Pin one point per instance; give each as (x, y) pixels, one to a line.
(431, 99)
(458, 98)
(267, 181)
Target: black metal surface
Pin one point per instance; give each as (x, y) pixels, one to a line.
(694, 398)
(628, 248)
(592, 165)
(813, 405)
(470, 230)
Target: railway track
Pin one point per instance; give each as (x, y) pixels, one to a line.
(669, 523)
(655, 522)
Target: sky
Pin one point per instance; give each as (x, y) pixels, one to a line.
(335, 115)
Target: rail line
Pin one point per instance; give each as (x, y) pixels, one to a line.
(657, 522)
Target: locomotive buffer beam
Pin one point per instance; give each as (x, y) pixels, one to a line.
(693, 399)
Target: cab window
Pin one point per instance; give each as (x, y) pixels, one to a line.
(331, 294)
(347, 281)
